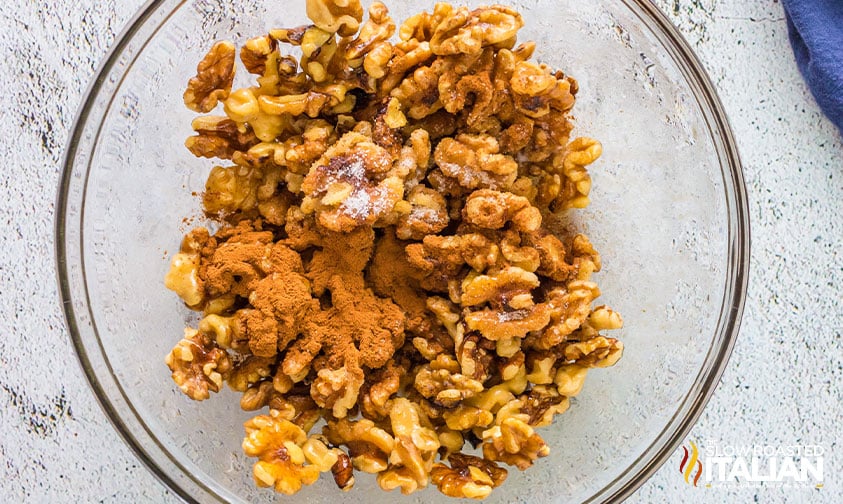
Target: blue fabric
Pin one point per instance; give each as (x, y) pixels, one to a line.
(815, 28)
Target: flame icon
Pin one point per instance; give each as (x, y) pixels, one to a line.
(686, 467)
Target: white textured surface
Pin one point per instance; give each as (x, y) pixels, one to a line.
(783, 384)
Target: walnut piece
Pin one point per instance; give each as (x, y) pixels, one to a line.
(493, 209)
(464, 418)
(468, 32)
(285, 461)
(198, 365)
(577, 184)
(336, 16)
(513, 442)
(468, 477)
(568, 309)
(343, 472)
(368, 446)
(249, 372)
(539, 405)
(352, 184)
(255, 53)
(213, 79)
(445, 388)
(595, 352)
(226, 331)
(416, 445)
(337, 389)
(474, 162)
(183, 275)
(218, 137)
(428, 214)
(257, 396)
(295, 406)
(379, 389)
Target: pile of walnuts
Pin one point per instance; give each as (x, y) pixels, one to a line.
(381, 262)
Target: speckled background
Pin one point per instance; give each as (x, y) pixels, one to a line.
(783, 384)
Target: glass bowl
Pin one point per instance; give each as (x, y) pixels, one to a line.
(668, 214)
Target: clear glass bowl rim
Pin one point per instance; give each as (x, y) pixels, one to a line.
(737, 273)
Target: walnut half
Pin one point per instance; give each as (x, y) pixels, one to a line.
(213, 79)
(198, 365)
(288, 459)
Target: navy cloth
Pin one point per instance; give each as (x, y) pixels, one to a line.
(815, 28)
